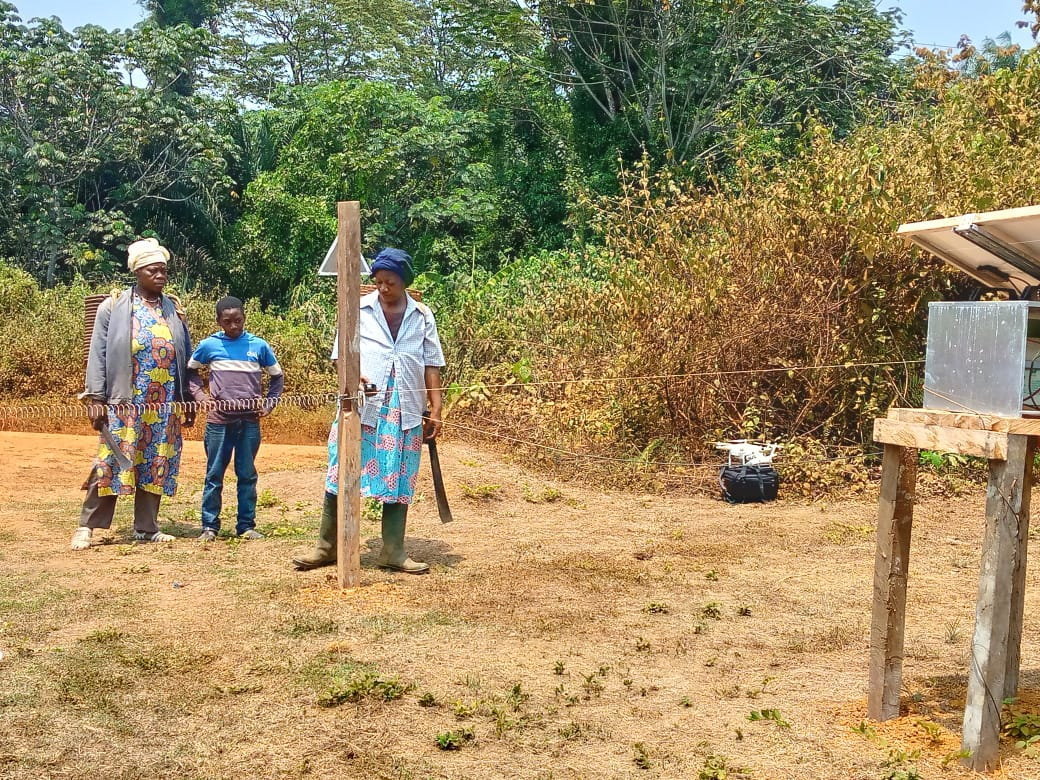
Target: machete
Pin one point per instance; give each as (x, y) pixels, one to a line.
(443, 510)
(438, 483)
(110, 441)
(123, 461)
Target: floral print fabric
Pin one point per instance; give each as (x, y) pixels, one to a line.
(389, 454)
(149, 436)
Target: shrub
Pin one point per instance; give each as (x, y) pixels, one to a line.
(775, 271)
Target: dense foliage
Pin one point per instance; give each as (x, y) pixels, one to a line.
(784, 268)
(591, 188)
(470, 130)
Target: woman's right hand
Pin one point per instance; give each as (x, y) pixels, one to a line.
(98, 415)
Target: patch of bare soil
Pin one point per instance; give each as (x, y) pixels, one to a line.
(563, 633)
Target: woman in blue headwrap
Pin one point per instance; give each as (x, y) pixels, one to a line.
(401, 355)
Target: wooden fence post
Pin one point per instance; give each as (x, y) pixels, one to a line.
(891, 562)
(348, 281)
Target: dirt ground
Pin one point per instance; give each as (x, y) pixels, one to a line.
(562, 633)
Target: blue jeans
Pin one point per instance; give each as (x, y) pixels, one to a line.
(241, 437)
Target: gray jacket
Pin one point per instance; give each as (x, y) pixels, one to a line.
(110, 365)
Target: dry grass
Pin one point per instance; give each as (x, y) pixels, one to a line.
(559, 639)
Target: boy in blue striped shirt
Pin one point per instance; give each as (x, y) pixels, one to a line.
(237, 361)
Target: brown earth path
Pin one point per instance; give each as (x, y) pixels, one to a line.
(563, 632)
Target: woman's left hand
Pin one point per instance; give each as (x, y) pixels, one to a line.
(431, 426)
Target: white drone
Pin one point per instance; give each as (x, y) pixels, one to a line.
(747, 453)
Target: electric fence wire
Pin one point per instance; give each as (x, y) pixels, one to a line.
(637, 461)
(316, 400)
(307, 400)
(666, 377)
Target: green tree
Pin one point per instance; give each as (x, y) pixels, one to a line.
(682, 78)
(194, 13)
(89, 160)
(197, 14)
(419, 167)
(461, 43)
(271, 43)
(994, 54)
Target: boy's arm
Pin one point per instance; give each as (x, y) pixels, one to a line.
(199, 359)
(276, 385)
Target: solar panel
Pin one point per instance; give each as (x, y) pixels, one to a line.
(1001, 249)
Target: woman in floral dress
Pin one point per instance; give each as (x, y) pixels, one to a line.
(137, 368)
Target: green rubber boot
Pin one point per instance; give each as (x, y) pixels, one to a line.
(392, 555)
(325, 552)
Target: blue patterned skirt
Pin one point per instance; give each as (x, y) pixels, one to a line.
(389, 454)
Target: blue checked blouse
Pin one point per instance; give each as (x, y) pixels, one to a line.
(417, 347)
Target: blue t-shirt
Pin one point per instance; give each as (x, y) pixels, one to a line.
(235, 370)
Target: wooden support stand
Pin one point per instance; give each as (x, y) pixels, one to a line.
(1008, 443)
(348, 281)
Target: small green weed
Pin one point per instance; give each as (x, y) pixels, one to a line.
(932, 730)
(942, 461)
(744, 610)
(303, 623)
(427, 700)
(1023, 727)
(955, 756)
(268, 499)
(712, 610)
(503, 723)
(517, 697)
(754, 693)
(898, 766)
(371, 510)
(454, 740)
(572, 730)
(711, 575)
(363, 685)
(770, 714)
(480, 492)
(546, 495)
(591, 685)
(865, 729)
(718, 768)
(558, 667)
(464, 709)
(642, 645)
(656, 608)
(640, 756)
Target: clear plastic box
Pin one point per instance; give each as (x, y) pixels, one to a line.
(983, 357)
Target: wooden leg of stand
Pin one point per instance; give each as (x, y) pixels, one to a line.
(895, 520)
(998, 609)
